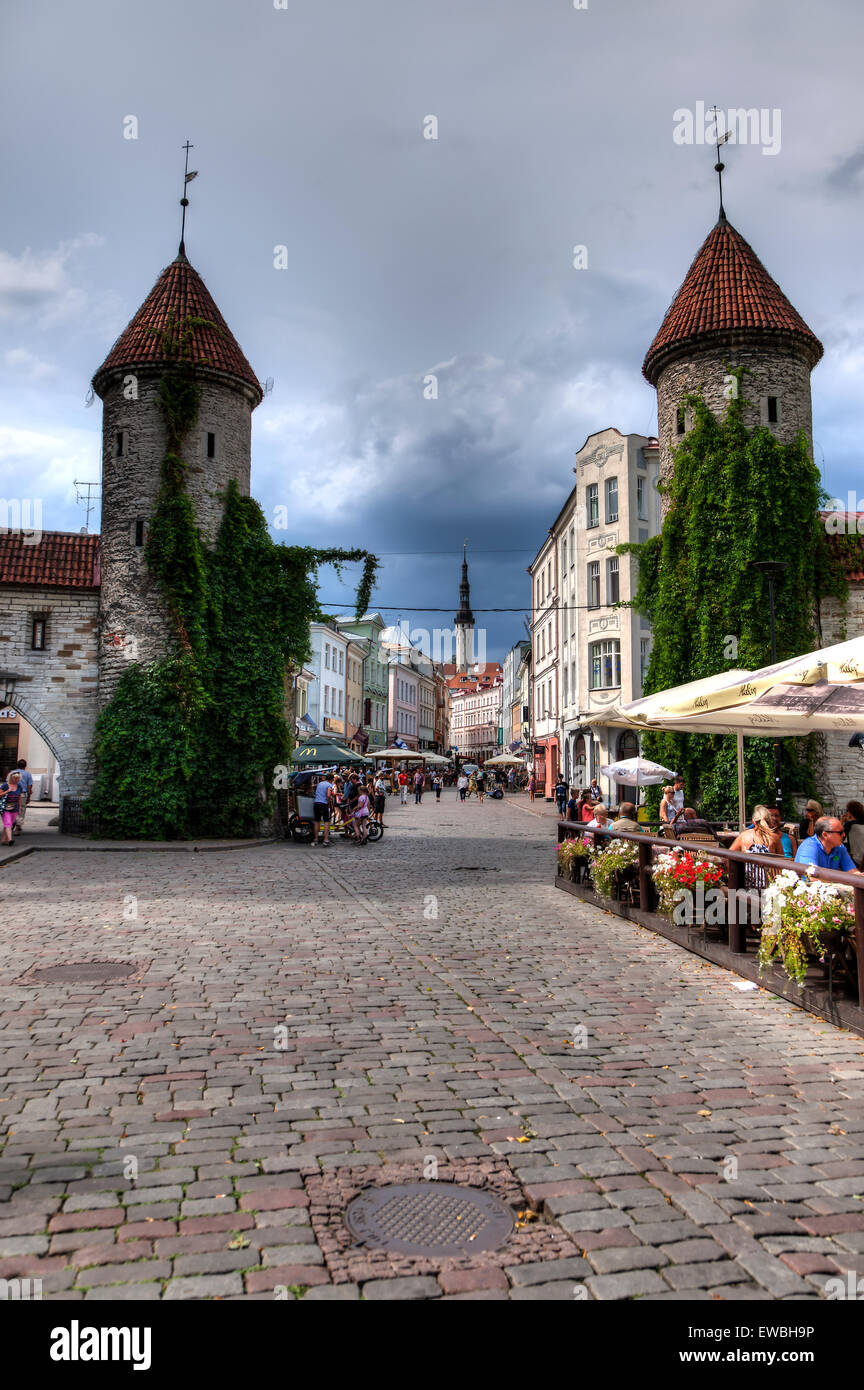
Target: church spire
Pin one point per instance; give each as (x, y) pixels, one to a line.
(465, 616)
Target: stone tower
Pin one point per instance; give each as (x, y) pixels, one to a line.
(730, 313)
(133, 624)
(464, 621)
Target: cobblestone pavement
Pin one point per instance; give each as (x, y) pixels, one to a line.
(433, 994)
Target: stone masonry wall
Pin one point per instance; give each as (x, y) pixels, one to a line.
(57, 689)
(134, 624)
(772, 373)
(842, 768)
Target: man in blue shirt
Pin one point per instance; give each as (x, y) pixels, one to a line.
(825, 848)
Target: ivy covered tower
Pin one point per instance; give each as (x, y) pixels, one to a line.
(464, 621)
(179, 315)
(729, 313)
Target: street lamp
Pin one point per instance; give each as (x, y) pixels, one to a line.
(772, 569)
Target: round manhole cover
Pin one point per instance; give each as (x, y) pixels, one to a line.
(429, 1218)
(89, 972)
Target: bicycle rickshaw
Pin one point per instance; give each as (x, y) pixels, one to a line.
(301, 813)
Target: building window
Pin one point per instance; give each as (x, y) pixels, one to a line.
(641, 511)
(211, 446)
(612, 580)
(644, 655)
(772, 410)
(37, 635)
(594, 584)
(139, 531)
(681, 420)
(572, 547)
(611, 499)
(564, 687)
(327, 656)
(604, 662)
(341, 663)
(119, 444)
(592, 505)
(564, 555)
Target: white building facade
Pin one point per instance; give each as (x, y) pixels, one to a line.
(604, 648)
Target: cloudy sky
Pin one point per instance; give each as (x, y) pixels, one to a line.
(408, 256)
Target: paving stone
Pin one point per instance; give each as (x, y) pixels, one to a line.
(207, 1286)
(548, 1271)
(407, 1287)
(630, 1285)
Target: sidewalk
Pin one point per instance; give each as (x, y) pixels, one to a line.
(39, 834)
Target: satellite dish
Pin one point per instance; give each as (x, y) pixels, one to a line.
(268, 386)
(90, 397)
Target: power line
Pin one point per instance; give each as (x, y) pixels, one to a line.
(403, 607)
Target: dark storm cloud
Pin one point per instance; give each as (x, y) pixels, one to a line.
(407, 256)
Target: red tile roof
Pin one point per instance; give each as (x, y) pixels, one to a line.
(179, 292)
(726, 288)
(60, 560)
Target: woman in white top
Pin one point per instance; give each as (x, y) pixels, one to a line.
(668, 810)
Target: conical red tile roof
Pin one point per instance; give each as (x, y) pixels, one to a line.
(178, 293)
(726, 289)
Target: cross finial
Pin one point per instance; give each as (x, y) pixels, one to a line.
(184, 201)
(720, 166)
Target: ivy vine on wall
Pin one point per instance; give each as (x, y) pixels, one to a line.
(187, 745)
(734, 496)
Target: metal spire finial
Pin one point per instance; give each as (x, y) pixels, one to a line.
(188, 176)
(720, 166)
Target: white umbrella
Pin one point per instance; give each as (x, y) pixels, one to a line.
(504, 760)
(637, 772)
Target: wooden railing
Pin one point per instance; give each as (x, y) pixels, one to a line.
(737, 862)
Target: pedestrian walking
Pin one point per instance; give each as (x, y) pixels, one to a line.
(361, 816)
(26, 785)
(532, 786)
(462, 784)
(561, 795)
(419, 779)
(436, 786)
(403, 787)
(379, 800)
(10, 801)
(480, 784)
(325, 793)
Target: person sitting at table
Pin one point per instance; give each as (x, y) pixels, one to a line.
(812, 812)
(599, 821)
(627, 819)
(691, 822)
(573, 812)
(762, 839)
(824, 849)
(853, 819)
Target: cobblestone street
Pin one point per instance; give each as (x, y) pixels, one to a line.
(160, 1141)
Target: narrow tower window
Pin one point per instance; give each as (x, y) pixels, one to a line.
(139, 530)
(37, 638)
(681, 421)
(119, 444)
(211, 446)
(772, 410)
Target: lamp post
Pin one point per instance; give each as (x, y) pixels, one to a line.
(773, 569)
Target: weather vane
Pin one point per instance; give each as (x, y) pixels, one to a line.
(719, 166)
(188, 176)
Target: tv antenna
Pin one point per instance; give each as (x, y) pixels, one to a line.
(84, 493)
